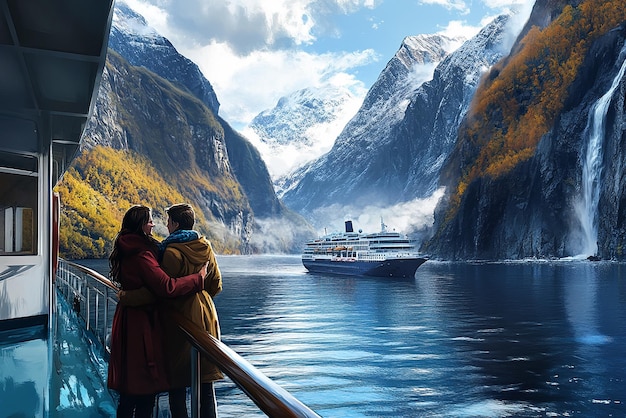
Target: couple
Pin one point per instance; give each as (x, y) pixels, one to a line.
(149, 354)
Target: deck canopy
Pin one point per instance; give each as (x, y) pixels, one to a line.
(52, 54)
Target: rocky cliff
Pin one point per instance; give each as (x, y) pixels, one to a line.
(139, 111)
(538, 167)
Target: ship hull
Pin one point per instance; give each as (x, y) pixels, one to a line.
(401, 267)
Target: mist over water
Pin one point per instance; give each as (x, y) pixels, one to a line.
(410, 217)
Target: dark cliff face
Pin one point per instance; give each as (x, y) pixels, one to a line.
(158, 55)
(250, 169)
(534, 210)
(612, 199)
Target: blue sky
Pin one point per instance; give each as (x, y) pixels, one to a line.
(255, 51)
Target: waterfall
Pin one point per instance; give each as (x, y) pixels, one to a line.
(587, 207)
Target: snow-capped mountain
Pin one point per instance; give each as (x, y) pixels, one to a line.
(392, 150)
(301, 127)
(304, 125)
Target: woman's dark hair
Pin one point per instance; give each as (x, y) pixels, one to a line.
(132, 223)
(183, 214)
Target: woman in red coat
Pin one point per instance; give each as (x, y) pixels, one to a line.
(137, 364)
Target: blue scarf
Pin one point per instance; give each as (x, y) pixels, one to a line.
(181, 235)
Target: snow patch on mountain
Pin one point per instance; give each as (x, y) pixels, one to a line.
(130, 23)
(301, 127)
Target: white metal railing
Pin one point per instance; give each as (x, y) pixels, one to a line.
(94, 301)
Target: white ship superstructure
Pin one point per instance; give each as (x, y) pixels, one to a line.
(377, 254)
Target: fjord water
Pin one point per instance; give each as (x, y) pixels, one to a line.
(457, 340)
(473, 340)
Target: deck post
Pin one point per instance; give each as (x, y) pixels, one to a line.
(195, 382)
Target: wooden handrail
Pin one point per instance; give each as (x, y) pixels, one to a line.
(267, 395)
(272, 399)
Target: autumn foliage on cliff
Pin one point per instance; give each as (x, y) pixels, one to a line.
(523, 95)
(96, 191)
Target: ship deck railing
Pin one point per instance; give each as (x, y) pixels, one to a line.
(94, 298)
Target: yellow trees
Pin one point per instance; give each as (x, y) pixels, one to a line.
(96, 191)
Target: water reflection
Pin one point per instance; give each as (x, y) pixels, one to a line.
(496, 322)
(23, 378)
(580, 293)
(589, 300)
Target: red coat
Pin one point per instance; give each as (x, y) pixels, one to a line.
(137, 362)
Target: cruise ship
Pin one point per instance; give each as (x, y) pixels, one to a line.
(380, 254)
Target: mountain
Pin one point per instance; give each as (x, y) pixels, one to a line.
(141, 113)
(392, 150)
(276, 229)
(142, 46)
(307, 122)
(537, 171)
(301, 127)
(381, 109)
(159, 114)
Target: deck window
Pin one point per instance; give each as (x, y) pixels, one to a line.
(18, 214)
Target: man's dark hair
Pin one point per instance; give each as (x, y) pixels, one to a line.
(183, 214)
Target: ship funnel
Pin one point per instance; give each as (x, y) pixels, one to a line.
(349, 226)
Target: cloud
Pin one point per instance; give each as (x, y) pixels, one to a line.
(501, 4)
(458, 5)
(458, 28)
(245, 25)
(256, 81)
(415, 216)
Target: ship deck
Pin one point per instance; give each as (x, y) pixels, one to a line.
(68, 364)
